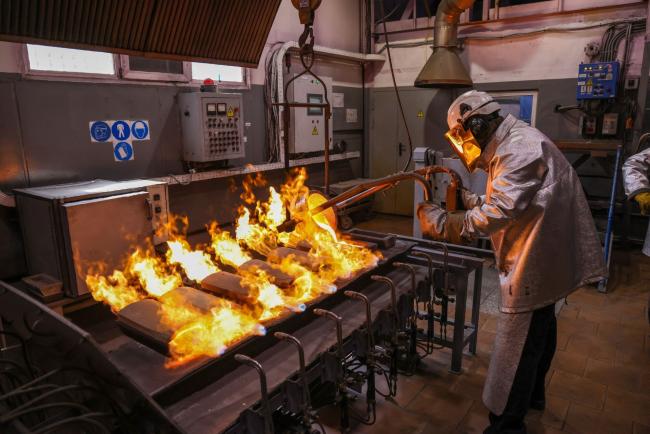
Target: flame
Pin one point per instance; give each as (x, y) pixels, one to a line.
(226, 248)
(254, 236)
(307, 285)
(251, 180)
(269, 295)
(202, 331)
(211, 334)
(196, 264)
(152, 273)
(272, 213)
(113, 290)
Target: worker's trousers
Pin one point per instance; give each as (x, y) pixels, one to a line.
(528, 385)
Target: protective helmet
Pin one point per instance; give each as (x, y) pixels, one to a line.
(468, 104)
(464, 138)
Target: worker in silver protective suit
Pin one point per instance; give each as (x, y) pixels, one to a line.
(636, 177)
(544, 240)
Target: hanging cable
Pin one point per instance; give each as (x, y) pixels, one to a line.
(270, 96)
(390, 14)
(399, 99)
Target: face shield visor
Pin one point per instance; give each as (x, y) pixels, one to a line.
(465, 145)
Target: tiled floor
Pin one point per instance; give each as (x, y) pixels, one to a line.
(599, 381)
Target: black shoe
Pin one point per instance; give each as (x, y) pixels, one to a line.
(494, 430)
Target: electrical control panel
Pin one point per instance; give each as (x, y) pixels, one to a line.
(597, 80)
(588, 125)
(213, 126)
(159, 211)
(307, 129)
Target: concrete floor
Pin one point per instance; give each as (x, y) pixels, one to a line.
(599, 381)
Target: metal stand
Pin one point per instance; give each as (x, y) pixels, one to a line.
(460, 266)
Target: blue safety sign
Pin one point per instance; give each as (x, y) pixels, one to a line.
(100, 131)
(140, 130)
(121, 130)
(123, 151)
(121, 134)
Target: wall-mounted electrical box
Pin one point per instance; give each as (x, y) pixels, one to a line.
(631, 83)
(597, 80)
(307, 129)
(588, 125)
(213, 126)
(610, 124)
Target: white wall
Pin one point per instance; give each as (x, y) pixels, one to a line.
(336, 26)
(550, 55)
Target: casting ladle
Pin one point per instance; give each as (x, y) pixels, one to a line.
(323, 210)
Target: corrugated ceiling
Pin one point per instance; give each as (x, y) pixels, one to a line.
(231, 32)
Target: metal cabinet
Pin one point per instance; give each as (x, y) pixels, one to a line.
(426, 115)
(69, 228)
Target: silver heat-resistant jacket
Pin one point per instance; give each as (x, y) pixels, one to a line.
(538, 219)
(543, 234)
(636, 178)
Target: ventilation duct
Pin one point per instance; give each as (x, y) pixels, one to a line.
(444, 68)
(215, 31)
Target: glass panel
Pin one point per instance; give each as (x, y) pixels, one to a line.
(313, 98)
(394, 10)
(504, 3)
(526, 108)
(520, 106)
(137, 63)
(201, 71)
(45, 58)
(421, 8)
(476, 11)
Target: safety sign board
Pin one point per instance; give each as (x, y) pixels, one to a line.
(121, 133)
(121, 130)
(140, 130)
(314, 132)
(100, 131)
(123, 151)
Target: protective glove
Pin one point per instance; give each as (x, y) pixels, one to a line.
(439, 224)
(643, 200)
(470, 200)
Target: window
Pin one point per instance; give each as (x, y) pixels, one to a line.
(405, 9)
(314, 98)
(44, 60)
(522, 105)
(506, 3)
(145, 68)
(223, 73)
(68, 61)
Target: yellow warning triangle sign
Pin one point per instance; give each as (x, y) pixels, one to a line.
(314, 132)
(230, 112)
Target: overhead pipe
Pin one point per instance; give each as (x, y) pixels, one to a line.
(444, 68)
